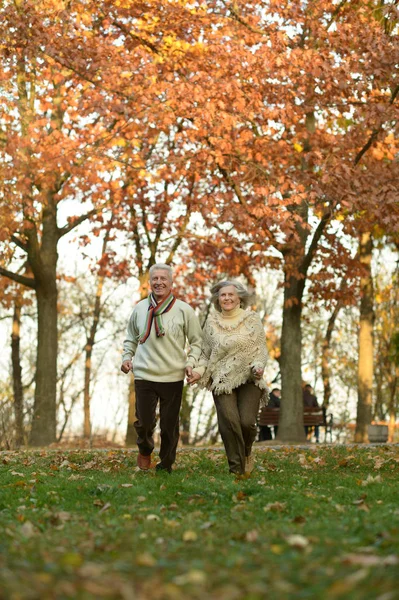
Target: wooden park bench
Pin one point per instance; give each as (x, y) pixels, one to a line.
(311, 417)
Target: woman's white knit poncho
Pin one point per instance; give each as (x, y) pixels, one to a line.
(229, 351)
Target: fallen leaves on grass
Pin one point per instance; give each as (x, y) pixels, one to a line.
(239, 496)
(28, 530)
(297, 541)
(190, 536)
(193, 577)
(299, 519)
(275, 507)
(145, 560)
(67, 516)
(171, 523)
(252, 535)
(371, 479)
(106, 506)
(370, 560)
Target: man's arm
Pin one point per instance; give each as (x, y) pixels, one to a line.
(130, 344)
(194, 338)
(201, 365)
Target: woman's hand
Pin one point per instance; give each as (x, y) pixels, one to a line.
(257, 372)
(193, 378)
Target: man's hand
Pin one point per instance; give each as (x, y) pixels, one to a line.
(127, 366)
(192, 376)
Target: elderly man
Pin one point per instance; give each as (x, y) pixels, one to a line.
(157, 333)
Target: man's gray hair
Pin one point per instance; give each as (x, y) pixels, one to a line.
(162, 267)
(245, 296)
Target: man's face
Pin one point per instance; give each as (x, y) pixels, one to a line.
(161, 284)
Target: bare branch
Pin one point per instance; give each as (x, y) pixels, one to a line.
(375, 132)
(19, 243)
(335, 13)
(67, 228)
(234, 12)
(183, 228)
(315, 240)
(137, 240)
(27, 281)
(135, 37)
(367, 145)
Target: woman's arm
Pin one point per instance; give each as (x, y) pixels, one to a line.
(261, 353)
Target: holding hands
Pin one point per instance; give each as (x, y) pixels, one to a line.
(192, 376)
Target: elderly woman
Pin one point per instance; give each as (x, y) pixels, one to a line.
(231, 365)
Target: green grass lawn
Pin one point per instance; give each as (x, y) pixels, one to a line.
(310, 523)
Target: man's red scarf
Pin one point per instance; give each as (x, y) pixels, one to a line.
(154, 314)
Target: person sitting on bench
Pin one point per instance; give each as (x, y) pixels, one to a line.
(265, 432)
(310, 401)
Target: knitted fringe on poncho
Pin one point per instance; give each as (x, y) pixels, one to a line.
(229, 352)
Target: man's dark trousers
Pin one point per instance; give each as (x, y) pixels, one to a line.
(169, 395)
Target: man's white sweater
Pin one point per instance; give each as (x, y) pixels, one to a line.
(163, 358)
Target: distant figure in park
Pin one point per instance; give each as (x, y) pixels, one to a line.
(265, 432)
(232, 362)
(310, 401)
(157, 332)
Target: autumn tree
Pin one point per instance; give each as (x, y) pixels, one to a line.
(261, 118)
(45, 142)
(67, 100)
(277, 114)
(13, 301)
(289, 139)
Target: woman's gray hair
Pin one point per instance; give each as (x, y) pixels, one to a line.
(162, 267)
(245, 296)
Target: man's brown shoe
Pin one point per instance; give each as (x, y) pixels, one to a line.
(144, 462)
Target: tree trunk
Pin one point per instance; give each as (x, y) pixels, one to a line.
(43, 430)
(43, 262)
(86, 391)
(89, 351)
(379, 408)
(291, 418)
(393, 384)
(391, 426)
(366, 342)
(325, 354)
(131, 435)
(17, 374)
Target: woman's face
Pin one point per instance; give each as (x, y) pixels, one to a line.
(228, 298)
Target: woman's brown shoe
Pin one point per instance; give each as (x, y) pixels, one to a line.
(249, 464)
